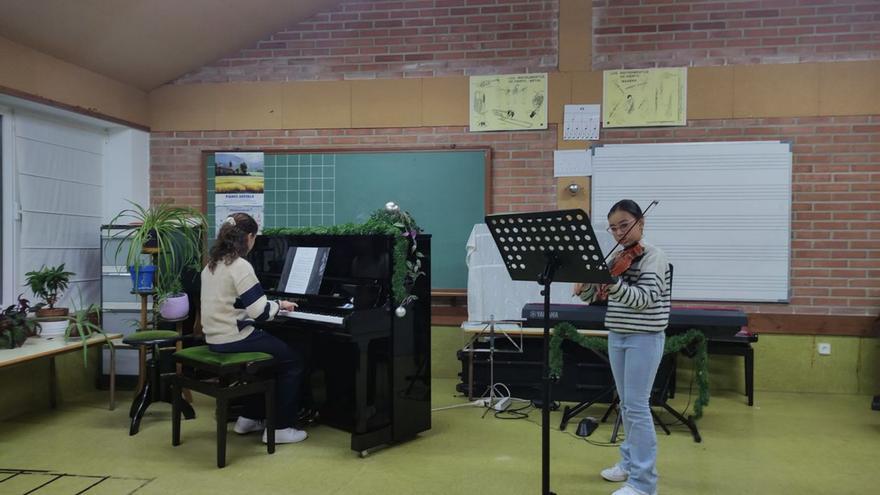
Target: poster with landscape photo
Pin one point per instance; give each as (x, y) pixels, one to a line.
(238, 184)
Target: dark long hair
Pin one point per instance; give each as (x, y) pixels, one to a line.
(628, 206)
(231, 240)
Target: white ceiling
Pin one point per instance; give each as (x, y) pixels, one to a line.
(147, 43)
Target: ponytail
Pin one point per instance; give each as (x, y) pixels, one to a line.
(231, 242)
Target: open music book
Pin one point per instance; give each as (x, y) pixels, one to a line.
(303, 270)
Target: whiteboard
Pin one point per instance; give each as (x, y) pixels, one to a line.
(724, 217)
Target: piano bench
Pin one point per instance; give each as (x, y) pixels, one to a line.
(738, 345)
(223, 376)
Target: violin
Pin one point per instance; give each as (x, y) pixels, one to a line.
(625, 258)
(622, 262)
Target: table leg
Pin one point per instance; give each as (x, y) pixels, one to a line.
(112, 376)
(53, 384)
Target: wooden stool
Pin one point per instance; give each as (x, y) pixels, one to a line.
(151, 391)
(224, 376)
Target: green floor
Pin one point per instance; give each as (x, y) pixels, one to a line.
(786, 444)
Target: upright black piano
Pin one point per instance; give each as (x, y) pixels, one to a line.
(370, 369)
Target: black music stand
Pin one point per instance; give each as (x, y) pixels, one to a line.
(548, 246)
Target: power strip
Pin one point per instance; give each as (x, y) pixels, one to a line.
(501, 403)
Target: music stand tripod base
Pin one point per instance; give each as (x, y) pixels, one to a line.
(545, 247)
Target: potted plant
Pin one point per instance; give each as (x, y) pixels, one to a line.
(48, 283)
(173, 301)
(83, 324)
(15, 326)
(171, 235)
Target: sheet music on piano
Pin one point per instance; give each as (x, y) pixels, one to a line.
(303, 270)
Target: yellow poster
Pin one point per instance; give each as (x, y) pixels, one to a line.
(512, 102)
(644, 97)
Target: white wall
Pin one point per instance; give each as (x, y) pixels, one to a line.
(126, 171)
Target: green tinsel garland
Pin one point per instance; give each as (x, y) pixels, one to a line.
(379, 223)
(674, 343)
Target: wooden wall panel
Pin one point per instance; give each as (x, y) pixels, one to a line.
(249, 106)
(445, 101)
(316, 105)
(849, 88)
(710, 92)
(386, 103)
(785, 90)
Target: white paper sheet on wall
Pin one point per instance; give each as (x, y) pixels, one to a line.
(581, 123)
(572, 163)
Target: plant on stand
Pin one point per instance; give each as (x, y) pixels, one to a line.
(172, 236)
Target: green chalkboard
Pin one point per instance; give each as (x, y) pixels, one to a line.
(444, 190)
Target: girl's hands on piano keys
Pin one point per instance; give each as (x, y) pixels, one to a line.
(287, 305)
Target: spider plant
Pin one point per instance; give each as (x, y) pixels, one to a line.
(84, 323)
(176, 232)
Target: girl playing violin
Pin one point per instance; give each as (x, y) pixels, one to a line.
(638, 312)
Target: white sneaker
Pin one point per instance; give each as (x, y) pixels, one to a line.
(287, 435)
(628, 490)
(615, 473)
(243, 425)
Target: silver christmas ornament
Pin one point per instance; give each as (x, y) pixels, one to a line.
(400, 311)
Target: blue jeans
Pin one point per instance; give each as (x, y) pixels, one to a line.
(289, 367)
(634, 360)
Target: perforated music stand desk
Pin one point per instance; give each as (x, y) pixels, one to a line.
(548, 246)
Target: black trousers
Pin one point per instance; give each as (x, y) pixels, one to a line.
(289, 370)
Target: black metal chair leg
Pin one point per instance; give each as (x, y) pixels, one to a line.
(175, 413)
(271, 420)
(750, 374)
(142, 405)
(222, 408)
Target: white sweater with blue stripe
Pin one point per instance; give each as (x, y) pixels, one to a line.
(639, 301)
(232, 301)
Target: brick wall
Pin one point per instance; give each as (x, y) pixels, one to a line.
(403, 38)
(522, 163)
(835, 203)
(836, 185)
(660, 33)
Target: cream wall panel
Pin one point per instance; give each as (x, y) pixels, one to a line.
(316, 105)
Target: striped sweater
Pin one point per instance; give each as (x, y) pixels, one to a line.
(232, 301)
(639, 301)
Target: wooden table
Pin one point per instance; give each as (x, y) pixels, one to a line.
(40, 347)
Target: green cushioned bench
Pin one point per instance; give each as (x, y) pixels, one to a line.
(224, 376)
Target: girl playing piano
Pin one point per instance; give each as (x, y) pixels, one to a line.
(637, 315)
(232, 302)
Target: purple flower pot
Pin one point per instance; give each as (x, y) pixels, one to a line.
(175, 307)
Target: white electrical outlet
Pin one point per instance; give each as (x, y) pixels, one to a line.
(824, 348)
